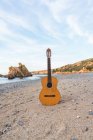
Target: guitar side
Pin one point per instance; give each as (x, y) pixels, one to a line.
(49, 96)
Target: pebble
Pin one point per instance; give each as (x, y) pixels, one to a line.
(20, 122)
(73, 100)
(16, 112)
(1, 133)
(74, 138)
(90, 112)
(78, 117)
(87, 117)
(86, 129)
(8, 125)
(7, 128)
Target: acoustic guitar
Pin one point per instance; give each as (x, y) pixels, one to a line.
(49, 94)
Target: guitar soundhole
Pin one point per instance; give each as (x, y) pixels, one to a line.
(49, 95)
(49, 85)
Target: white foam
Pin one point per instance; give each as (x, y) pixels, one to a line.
(6, 80)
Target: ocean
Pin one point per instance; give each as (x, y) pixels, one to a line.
(35, 77)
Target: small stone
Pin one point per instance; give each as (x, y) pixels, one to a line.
(92, 102)
(87, 117)
(73, 100)
(20, 122)
(1, 133)
(63, 101)
(86, 129)
(90, 112)
(78, 117)
(69, 108)
(16, 112)
(74, 138)
(8, 125)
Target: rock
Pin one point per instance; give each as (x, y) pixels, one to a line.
(86, 129)
(8, 125)
(1, 75)
(74, 138)
(78, 117)
(20, 122)
(90, 112)
(20, 72)
(87, 117)
(7, 128)
(1, 133)
(5, 76)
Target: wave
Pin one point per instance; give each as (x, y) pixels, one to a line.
(6, 80)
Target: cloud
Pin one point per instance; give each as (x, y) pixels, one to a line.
(48, 26)
(56, 8)
(11, 18)
(76, 30)
(74, 26)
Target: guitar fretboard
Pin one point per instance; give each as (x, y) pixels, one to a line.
(49, 70)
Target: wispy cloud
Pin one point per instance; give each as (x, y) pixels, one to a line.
(56, 8)
(11, 18)
(73, 24)
(76, 29)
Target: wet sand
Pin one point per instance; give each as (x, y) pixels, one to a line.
(23, 117)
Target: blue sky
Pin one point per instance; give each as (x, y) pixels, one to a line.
(29, 27)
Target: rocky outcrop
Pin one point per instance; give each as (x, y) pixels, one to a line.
(1, 75)
(81, 66)
(20, 71)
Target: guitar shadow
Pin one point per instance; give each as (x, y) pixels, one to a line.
(65, 99)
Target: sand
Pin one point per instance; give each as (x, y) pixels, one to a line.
(23, 117)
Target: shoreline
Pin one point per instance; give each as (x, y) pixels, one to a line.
(39, 76)
(23, 83)
(65, 73)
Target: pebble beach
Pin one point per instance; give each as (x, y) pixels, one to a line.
(23, 117)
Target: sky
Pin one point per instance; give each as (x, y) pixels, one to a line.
(29, 27)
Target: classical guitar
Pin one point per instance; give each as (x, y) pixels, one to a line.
(49, 94)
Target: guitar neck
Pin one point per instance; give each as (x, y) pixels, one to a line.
(49, 70)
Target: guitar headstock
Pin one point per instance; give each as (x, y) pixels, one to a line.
(48, 53)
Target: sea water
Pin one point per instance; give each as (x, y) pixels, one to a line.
(6, 80)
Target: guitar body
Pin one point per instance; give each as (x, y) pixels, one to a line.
(49, 95)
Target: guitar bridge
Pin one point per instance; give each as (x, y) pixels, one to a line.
(49, 95)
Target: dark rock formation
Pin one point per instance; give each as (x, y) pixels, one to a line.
(1, 75)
